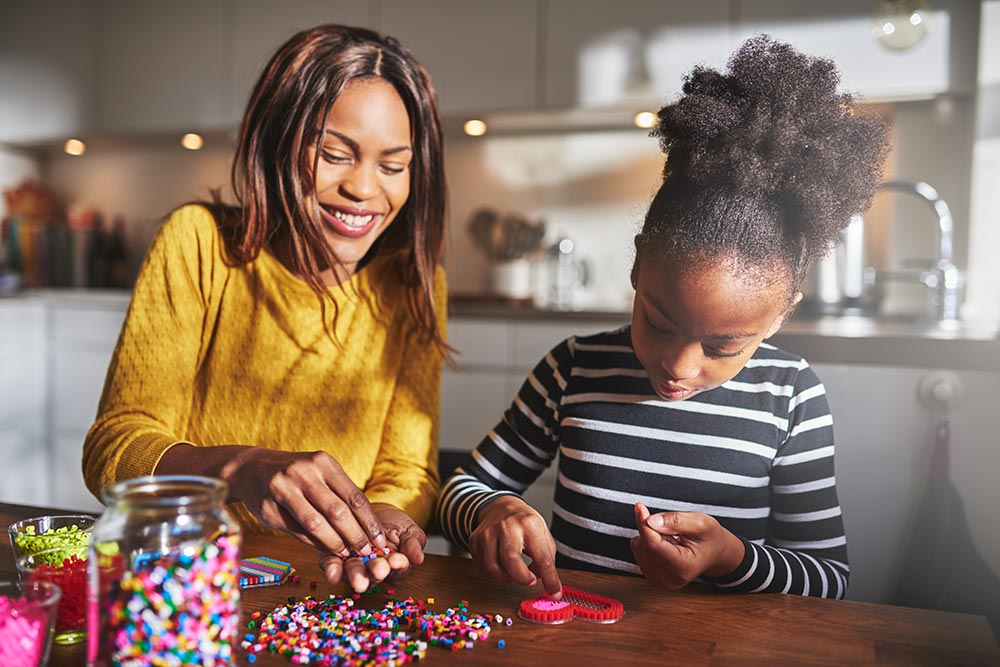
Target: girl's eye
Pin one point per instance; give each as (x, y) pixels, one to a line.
(652, 325)
(719, 354)
(392, 169)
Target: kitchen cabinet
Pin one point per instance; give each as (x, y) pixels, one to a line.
(259, 27)
(944, 61)
(24, 477)
(161, 65)
(482, 56)
(635, 51)
(82, 339)
(47, 69)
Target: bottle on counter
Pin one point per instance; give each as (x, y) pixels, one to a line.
(164, 575)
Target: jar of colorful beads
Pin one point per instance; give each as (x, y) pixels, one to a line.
(164, 575)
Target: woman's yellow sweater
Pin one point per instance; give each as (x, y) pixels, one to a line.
(214, 354)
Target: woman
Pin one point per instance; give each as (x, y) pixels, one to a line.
(292, 344)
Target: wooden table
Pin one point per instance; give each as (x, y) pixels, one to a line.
(697, 626)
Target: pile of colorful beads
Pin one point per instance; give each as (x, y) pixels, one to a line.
(180, 607)
(69, 538)
(332, 632)
(71, 577)
(23, 632)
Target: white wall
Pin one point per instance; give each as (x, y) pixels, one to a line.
(15, 166)
(983, 295)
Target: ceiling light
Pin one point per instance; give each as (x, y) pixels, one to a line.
(74, 147)
(901, 24)
(192, 141)
(474, 127)
(645, 119)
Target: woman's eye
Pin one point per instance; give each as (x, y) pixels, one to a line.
(393, 169)
(335, 158)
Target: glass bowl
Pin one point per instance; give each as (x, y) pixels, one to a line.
(27, 618)
(45, 533)
(67, 569)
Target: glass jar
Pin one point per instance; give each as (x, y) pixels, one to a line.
(164, 575)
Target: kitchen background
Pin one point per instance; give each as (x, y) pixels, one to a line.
(558, 84)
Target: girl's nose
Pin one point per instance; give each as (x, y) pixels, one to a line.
(360, 183)
(681, 362)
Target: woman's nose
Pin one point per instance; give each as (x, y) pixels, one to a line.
(359, 183)
(682, 362)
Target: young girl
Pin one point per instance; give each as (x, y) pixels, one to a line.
(689, 448)
(292, 345)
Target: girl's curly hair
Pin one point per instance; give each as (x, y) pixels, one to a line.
(765, 164)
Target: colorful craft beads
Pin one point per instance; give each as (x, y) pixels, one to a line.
(71, 577)
(24, 627)
(333, 631)
(68, 538)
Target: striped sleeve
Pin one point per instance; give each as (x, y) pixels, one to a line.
(805, 551)
(514, 453)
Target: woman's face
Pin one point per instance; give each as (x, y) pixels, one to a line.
(363, 173)
(695, 325)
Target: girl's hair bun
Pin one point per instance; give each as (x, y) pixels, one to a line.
(773, 128)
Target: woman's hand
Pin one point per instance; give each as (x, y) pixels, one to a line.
(507, 527)
(404, 536)
(674, 548)
(306, 494)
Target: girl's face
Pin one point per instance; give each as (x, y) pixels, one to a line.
(363, 174)
(695, 325)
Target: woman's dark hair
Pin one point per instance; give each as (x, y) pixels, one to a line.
(766, 163)
(272, 176)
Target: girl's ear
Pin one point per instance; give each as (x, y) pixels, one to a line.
(778, 321)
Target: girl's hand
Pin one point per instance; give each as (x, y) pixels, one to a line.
(507, 527)
(674, 548)
(306, 494)
(403, 535)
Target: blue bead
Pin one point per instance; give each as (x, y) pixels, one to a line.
(501, 644)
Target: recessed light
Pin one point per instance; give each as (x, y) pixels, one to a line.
(74, 147)
(474, 127)
(192, 141)
(645, 119)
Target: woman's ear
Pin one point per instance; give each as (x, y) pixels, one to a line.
(785, 314)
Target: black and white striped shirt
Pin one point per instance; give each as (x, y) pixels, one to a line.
(755, 453)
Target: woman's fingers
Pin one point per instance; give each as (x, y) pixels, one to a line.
(359, 512)
(332, 566)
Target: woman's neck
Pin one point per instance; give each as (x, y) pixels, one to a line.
(284, 251)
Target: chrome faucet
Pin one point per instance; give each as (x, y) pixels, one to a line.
(939, 275)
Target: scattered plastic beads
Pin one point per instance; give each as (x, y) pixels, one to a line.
(68, 538)
(71, 577)
(180, 607)
(333, 631)
(23, 632)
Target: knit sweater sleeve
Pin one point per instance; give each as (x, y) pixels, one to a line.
(147, 392)
(805, 551)
(511, 456)
(405, 474)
